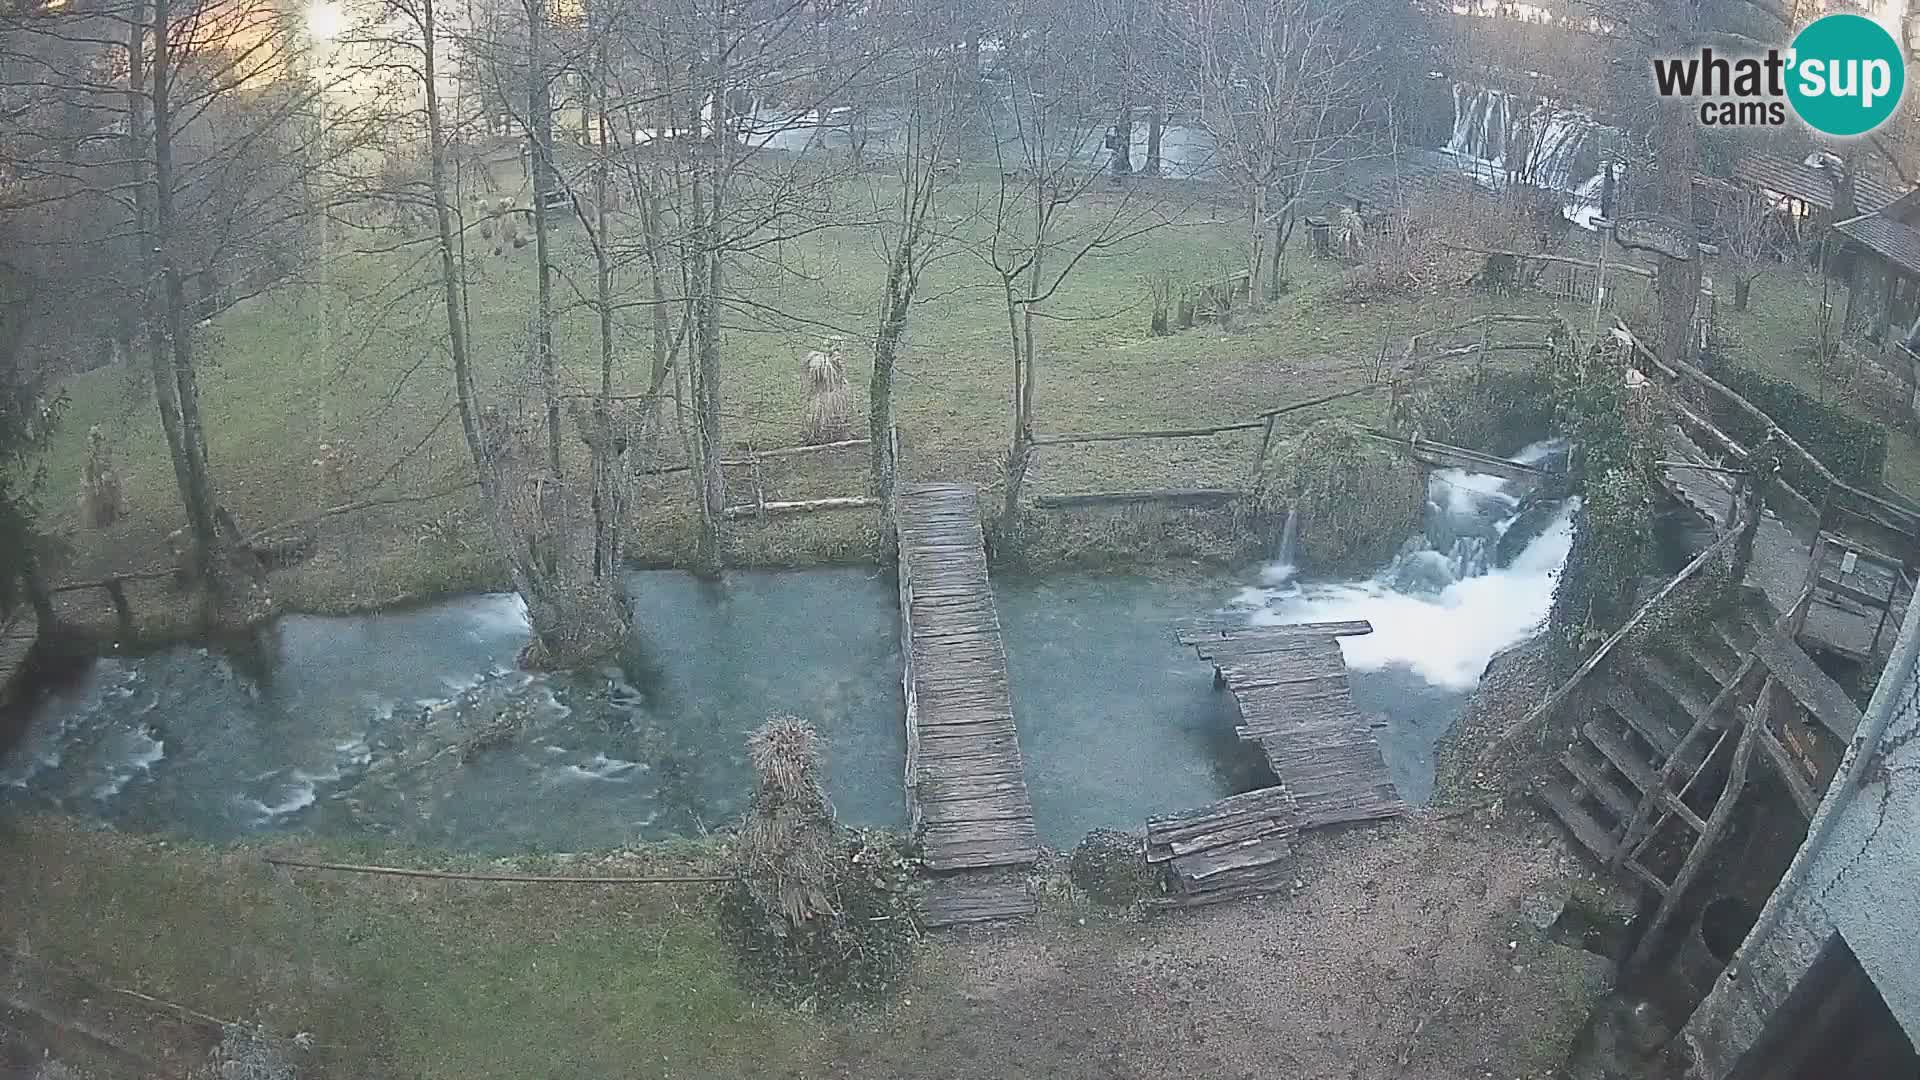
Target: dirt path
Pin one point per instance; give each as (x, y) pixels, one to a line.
(1406, 952)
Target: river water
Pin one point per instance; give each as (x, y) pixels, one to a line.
(362, 726)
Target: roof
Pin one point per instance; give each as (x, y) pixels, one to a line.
(1897, 242)
(1811, 184)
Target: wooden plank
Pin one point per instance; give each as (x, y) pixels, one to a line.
(1190, 498)
(1638, 772)
(1796, 672)
(1270, 801)
(1592, 835)
(1263, 851)
(1595, 780)
(966, 778)
(1627, 706)
(974, 898)
(1280, 633)
(1784, 763)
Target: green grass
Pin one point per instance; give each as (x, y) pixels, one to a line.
(1777, 335)
(397, 977)
(275, 387)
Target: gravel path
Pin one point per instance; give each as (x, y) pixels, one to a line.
(1406, 951)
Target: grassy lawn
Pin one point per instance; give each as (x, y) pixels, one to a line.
(1777, 335)
(375, 381)
(397, 977)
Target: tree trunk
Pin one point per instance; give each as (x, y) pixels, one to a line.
(608, 507)
(569, 629)
(886, 345)
(1282, 232)
(708, 199)
(1677, 282)
(1155, 121)
(540, 160)
(1742, 290)
(1256, 243)
(164, 396)
(198, 493)
(1123, 143)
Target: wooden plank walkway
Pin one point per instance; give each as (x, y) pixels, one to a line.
(1780, 555)
(1290, 683)
(966, 784)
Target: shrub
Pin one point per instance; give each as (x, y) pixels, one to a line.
(1853, 447)
(1109, 866)
(1496, 411)
(1356, 503)
(813, 914)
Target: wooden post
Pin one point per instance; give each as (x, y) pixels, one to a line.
(1260, 459)
(1717, 823)
(759, 490)
(122, 611)
(1749, 504)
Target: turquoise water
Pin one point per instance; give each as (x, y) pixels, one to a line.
(362, 726)
(354, 725)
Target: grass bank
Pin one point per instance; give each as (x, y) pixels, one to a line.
(404, 977)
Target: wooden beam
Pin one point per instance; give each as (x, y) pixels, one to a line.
(1455, 457)
(1566, 260)
(1310, 403)
(1166, 496)
(1717, 823)
(803, 506)
(1553, 700)
(1805, 799)
(1164, 433)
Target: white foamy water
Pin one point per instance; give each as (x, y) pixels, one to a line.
(138, 750)
(603, 767)
(1441, 614)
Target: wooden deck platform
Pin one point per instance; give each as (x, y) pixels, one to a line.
(1290, 683)
(966, 785)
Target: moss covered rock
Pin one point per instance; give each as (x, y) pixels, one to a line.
(1110, 867)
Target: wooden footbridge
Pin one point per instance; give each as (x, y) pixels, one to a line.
(1290, 684)
(966, 785)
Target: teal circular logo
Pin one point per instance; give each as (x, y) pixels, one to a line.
(1845, 75)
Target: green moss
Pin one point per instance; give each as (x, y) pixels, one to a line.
(1355, 501)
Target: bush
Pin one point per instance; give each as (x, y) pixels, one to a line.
(813, 914)
(1854, 448)
(1495, 411)
(1611, 427)
(1110, 867)
(1356, 503)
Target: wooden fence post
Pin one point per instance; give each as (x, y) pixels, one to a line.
(1260, 459)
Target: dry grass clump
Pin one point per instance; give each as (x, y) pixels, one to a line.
(815, 914)
(829, 411)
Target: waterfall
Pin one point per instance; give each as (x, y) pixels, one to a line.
(1480, 119)
(1440, 608)
(1289, 538)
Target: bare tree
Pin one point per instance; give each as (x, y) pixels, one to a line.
(1749, 231)
(1288, 89)
(171, 122)
(1043, 224)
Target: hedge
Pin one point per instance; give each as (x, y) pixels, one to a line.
(1855, 449)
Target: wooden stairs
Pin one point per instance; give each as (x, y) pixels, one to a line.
(1640, 784)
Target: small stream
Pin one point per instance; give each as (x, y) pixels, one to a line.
(362, 726)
